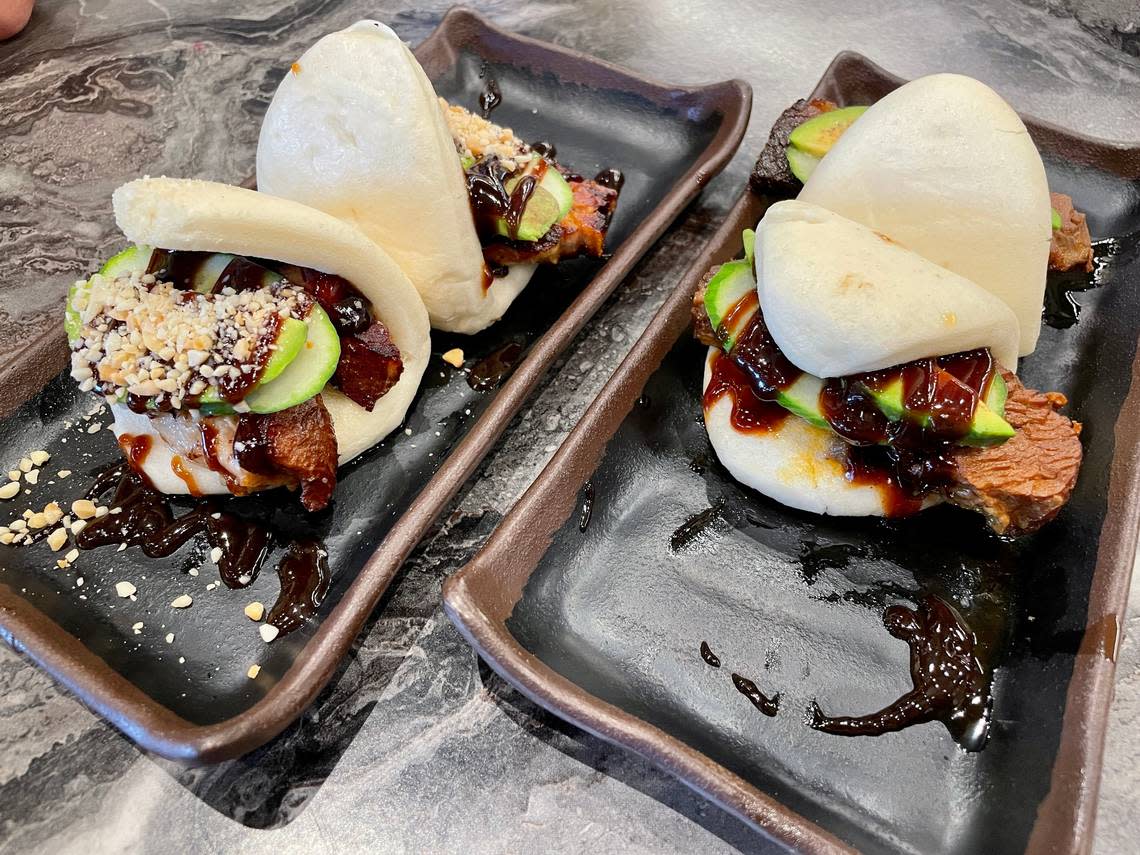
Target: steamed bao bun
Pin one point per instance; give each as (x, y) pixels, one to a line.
(842, 299)
(355, 130)
(796, 463)
(945, 167)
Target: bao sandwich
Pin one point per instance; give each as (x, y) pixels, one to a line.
(245, 341)
(863, 353)
(463, 205)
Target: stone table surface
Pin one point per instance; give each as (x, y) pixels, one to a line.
(417, 746)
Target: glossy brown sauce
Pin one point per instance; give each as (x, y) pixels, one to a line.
(707, 654)
(179, 467)
(694, 526)
(491, 200)
(211, 443)
(491, 96)
(144, 519)
(906, 459)
(950, 685)
(305, 580)
(587, 510)
(495, 367)
(750, 413)
(767, 705)
(612, 178)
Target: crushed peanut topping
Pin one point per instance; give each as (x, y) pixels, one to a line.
(476, 138)
(151, 339)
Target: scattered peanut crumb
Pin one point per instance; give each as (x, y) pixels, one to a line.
(125, 589)
(78, 526)
(83, 508)
(454, 357)
(63, 473)
(182, 602)
(181, 660)
(33, 477)
(254, 611)
(170, 638)
(137, 627)
(94, 427)
(268, 632)
(26, 464)
(14, 474)
(38, 520)
(101, 511)
(72, 556)
(253, 671)
(216, 554)
(193, 571)
(9, 490)
(57, 539)
(39, 458)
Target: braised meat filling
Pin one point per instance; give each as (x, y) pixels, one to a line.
(505, 179)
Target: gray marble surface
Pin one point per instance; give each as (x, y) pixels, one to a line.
(416, 746)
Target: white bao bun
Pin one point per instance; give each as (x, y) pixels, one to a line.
(184, 214)
(841, 299)
(945, 167)
(797, 464)
(355, 130)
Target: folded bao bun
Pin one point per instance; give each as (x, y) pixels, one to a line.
(946, 168)
(355, 130)
(184, 214)
(796, 463)
(842, 299)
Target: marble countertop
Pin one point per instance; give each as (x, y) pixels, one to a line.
(417, 746)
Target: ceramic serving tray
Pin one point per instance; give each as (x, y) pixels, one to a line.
(634, 546)
(189, 697)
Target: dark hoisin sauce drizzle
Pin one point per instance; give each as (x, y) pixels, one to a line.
(614, 179)
(707, 654)
(491, 200)
(767, 705)
(491, 96)
(495, 367)
(905, 459)
(950, 685)
(305, 580)
(144, 519)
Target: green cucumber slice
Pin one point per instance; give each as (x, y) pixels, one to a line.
(1056, 219)
(306, 374)
(818, 134)
(130, 260)
(548, 204)
(728, 287)
(801, 163)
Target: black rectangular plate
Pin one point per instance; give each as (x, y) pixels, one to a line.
(603, 621)
(191, 698)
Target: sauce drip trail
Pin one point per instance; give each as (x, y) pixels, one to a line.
(767, 705)
(949, 683)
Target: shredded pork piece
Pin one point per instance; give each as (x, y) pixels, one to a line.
(1071, 247)
(772, 175)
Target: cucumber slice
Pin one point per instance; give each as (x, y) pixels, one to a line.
(802, 399)
(290, 340)
(306, 374)
(1056, 215)
(548, 204)
(131, 259)
(748, 238)
(818, 134)
(801, 163)
(987, 427)
(728, 287)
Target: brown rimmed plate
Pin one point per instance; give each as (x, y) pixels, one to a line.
(634, 545)
(190, 699)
